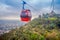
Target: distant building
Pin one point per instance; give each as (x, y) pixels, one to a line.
(45, 15)
(39, 16)
(58, 15)
(51, 14)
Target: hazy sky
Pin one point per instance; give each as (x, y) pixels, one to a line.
(10, 9)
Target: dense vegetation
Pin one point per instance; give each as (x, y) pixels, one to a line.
(37, 29)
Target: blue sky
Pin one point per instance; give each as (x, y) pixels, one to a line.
(10, 9)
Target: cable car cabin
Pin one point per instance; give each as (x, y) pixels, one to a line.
(25, 15)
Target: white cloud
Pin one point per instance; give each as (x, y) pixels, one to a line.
(10, 18)
(8, 12)
(7, 8)
(39, 1)
(57, 11)
(46, 10)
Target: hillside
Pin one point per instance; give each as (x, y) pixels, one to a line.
(37, 29)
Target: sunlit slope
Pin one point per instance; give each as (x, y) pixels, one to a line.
(37, 29)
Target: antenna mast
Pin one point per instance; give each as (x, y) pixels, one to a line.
(52, 5)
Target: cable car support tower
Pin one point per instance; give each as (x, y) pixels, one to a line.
(52, 6)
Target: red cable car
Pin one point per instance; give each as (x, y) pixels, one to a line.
(25, 15)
